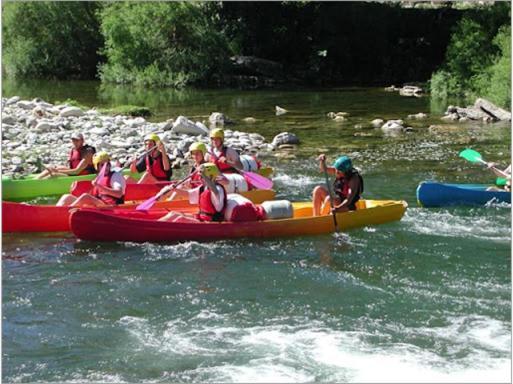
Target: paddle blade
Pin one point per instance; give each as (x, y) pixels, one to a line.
(146, 205)
(501, 181)
(472, 156)
(258, 181)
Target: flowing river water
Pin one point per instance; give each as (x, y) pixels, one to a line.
(421, 300)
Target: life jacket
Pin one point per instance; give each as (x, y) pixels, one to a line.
(207, 211)
(76, 156)
(155, 166)
(341, 188)
(107, 199)
(223, 167)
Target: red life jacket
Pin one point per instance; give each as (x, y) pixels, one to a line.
(341, 188)
(76, 156)
(223, 167)
(156, 167)
(107, 199)
(207, 211)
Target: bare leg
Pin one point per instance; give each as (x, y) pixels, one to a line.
(66, 200)
(130, 180)
(177, 217)
(319, 196)
(87, 200)
(147, 178)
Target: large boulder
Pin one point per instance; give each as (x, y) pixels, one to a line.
(492, 110)
(218, 119)
(186, 126)
(393, 126)
(71, 111)
(285, 138)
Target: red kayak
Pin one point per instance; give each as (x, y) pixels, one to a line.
(94, 225)
(22, 217)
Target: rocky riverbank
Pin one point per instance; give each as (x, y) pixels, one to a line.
(36, 132)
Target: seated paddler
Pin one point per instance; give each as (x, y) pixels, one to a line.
(210, 197)
(347, 187)
(80, 160)
(108, 187)
(155, 164)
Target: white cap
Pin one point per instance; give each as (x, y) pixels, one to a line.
(77, 136)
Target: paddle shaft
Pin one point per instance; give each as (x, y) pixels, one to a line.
(331, 195)
(498, 170)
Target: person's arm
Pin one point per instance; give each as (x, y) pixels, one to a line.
(496, 171)
(165, 159)
(74, 171)
(117, 189)
(138, 165)
(322, 161)
(233, 158)
(353, 188)
(211, 185)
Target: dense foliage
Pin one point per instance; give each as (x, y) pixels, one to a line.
(315, 43)
(478, 58)
(160, 43)
(50, 39)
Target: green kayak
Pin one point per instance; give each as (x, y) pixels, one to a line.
(30, 188)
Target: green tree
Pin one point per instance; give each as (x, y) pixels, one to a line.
(50, 39)
(161, 44)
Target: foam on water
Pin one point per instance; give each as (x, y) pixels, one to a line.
(447, 224)
(311, 351)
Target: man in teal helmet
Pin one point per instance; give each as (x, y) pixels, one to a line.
(348, 187)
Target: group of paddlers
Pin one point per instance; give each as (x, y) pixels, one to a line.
(205, 185)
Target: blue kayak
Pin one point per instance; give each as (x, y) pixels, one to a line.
(434, 194)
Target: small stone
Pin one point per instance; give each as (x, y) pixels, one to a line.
(285, 138)
(339, 119)
(249, 120)
(280, 110)
(376, 123)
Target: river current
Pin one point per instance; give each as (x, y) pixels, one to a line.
(421, 300)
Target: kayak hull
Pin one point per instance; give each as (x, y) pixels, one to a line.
(30, 187)
(434, 194)
(93, 225)
(21, 217)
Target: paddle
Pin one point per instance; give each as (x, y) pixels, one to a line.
(330, 193)
(259, 181)
(475, 157)
(147, 204)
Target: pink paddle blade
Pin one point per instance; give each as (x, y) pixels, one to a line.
(146, 205)
(258, 181)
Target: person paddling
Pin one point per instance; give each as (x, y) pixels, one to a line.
(80, 160)
(227, 159)
(348, 187)
(156, 164)
(108, 187)
(506, 174)
(210, 197)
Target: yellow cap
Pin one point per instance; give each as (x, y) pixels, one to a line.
(100, 157)
(210, 170)
(153, 137)
(217, 133)
(198, 146)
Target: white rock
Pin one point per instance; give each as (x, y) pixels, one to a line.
(249, 120)
(45, 126)
(393, 125)
(12, 100)
(217, 118)
(202, 126)
(6, 119)
(377, 123)
(26, 104)
(339, 118)
(184, 125)
(16, 160)
(99, 131)
(280, 110)
(285, 138)
(71, 111)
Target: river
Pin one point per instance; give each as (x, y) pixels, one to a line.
(422, 300)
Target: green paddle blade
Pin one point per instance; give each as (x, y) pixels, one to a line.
(501, 181)
(472, 156)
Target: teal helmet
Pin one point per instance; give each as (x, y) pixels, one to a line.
(343, 164)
